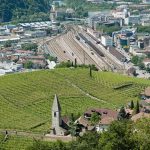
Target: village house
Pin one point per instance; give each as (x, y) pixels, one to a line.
(107, 116)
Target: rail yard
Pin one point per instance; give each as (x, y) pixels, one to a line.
(77, 44)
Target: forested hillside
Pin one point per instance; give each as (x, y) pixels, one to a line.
(22, 10)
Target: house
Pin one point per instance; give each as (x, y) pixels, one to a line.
(107, 116)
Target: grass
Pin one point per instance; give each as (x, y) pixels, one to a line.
(16, 143)
(26, 99)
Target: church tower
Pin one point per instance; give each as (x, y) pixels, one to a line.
(53, 13)
(56, 116)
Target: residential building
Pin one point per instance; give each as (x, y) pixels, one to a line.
(145, 22)
(35, 34)
(141, 44)
(107, 116)
(107, 40)
(146, 1)
(134, 19)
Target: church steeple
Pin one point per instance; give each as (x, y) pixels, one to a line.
(57, 123)
(56, 105)
(56, 116)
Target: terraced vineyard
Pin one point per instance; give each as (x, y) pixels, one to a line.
(26, 99)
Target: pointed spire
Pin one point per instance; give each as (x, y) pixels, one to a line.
(56, 104)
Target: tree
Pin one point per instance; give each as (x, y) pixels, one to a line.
(8, 43)
(137, 108)
(28, 65)
(73, 127)
(141, 66)
(135, 60)
(30, 46)
(119, 135)
(90, 71)
(95, 118)
(143, 135)
(14, 10)
(75, 62)
(132, 104)
(122, 114)
(64, 65)
(148, 69)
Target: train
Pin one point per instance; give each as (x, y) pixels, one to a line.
(91, 44)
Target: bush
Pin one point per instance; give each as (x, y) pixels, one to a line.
(28, 65)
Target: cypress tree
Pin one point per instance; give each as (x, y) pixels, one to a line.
(75, 62)
(132, 104)
(72, 64)
(137, 108)
(90, 71)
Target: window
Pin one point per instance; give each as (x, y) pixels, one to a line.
(54, 114)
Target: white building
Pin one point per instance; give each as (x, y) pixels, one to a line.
(145, 22)
(146, 1)
(13, 39)
(136, 51)
(121, 13)
(107, 40)
(104, 124)
(134, 19)
(10, 66)
(35, 34)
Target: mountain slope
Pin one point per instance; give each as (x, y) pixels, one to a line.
(26, 99)
(15, 9)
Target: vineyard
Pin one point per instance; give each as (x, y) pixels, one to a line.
(26, 99)
(16, 143)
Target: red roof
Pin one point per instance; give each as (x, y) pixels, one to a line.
(104, 112)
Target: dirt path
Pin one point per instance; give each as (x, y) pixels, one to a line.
(84, 92)
(38, 136)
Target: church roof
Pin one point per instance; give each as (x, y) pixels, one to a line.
(56, 104)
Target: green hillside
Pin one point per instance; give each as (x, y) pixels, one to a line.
(26, 99)
(15, 143)
(23, 10)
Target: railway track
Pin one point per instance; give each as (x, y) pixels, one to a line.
(66, 47)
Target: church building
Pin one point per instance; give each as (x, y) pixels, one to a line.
(59, 127)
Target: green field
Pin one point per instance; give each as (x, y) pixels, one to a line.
(16, 143)
(26, 99)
